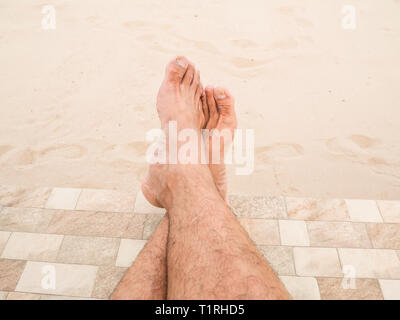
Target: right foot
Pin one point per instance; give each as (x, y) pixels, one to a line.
(179, 99)
(219, 113)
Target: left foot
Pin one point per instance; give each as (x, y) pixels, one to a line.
(219, 114)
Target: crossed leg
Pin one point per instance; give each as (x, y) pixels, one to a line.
(209, 254)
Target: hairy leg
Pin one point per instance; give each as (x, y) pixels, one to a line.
(210, 255)
(146, 279)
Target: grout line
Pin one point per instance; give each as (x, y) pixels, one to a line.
(78, 198)
(379, 210)
(60, 247)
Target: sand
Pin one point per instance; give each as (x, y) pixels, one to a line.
(324, 102)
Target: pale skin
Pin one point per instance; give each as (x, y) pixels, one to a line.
(199, 250)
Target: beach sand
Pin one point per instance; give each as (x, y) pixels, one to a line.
(324, 102)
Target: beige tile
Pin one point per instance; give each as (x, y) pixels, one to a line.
(32, 246)
(135, 226)
(128, 251)
(301, 288)
(317, 262)
(262, 231)
(106, 200)
(23, 296)
(390, 289)
(150, 224)
(88, 223)
(88, 250)
(70, 279)
(3, 239)
(338, 234)
(371, 263)
(335, 289)
(363, 210)
(57, 297)
(258, 206)
(293, 233)
(25, 219)
(143, 206)
(3, 295)
(63, 198)
(280, 259)
(107, 280)
(10, 271)
(23, 197)
(317, 209)
(390, 210)
(384, 235)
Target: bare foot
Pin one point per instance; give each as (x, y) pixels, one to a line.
(179, 99)
(219, 113)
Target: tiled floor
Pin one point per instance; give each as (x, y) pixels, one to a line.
(66, 243)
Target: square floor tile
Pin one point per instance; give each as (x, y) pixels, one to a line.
(317, 209)
(57, 297)
(390, 289)
(12, 196)
(151, 223)
(10, 272)
(301, 288)
(268, 207)
(143, 206)
(349, 289)
(68, 279)
(280, 259)
(25, 219)
(363, 210)
(390, 210)
(3, 239)
(128, 251)
(107, 280)
(384, 235)
(371, 263)
(262, 231)
(88, 223)
(293, 233)
(32, 246)
(63, 198)
(23, 296)
(134, 228)
(338, 234)
(88, 250)
(317, 262)
(106, 200)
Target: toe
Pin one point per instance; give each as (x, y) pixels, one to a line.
(205, 110)
(176, 70)
(189, 75)
(199, 91)
(224, 100)
(212, 107)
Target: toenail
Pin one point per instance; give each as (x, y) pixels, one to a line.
(182, 63)
(220, 93)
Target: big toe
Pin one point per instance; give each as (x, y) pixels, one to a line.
(176, 70)
(225, 104)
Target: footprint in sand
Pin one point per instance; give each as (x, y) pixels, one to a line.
(125, 156)
(4, 149)
(279, 151)
(64, 151)
(352, 145)
(19, 157)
